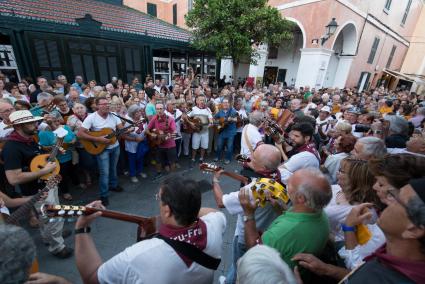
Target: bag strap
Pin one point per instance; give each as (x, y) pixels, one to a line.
(192, 252)
(245, 137)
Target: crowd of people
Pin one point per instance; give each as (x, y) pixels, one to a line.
(351, 163)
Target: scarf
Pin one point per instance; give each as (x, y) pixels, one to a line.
(413, 270)
(195, 235)
(81, 117)
(15, 136)
(309, 148)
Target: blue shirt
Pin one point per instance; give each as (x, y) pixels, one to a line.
(230, 129)
(48, 138)
(78, 87)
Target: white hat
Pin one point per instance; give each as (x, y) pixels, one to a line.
(23, 116)
(326, 108)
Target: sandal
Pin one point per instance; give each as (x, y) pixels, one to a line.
(67, 196)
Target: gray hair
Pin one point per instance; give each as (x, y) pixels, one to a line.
(263, 264)
(18, 253)
(43, 96)
(256, 118)
(398, 125)
(373, 146)
(421, 111)
(97, 89)
(416, 214)
(6, 101)
(316, 197)
(132, 110)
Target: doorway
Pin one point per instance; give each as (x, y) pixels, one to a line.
(270, 75)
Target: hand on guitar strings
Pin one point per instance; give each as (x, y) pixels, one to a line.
(245, 199)
(84, 221)
(103, 140)
(48, 168)
(217, 174)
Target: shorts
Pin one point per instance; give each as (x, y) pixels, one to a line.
(200, 139)
(165, 155)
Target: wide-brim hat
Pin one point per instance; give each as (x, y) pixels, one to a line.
(326, 109)
(21, 117)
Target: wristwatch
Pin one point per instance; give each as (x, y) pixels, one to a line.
(346, 228)
(84, 230)
(246, 218)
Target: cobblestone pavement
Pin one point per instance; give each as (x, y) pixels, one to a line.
(113, 236)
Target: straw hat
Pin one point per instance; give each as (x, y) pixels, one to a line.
(22, 116)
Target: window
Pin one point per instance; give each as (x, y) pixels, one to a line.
(175, 14)
(48, 58)
(387, 6)
(406, 12)
(373, 51)
(390, 59)
(133, 66)
(189, 5)
(152, 9)
(273, 52)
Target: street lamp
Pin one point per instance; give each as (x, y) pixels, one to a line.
(330, 30)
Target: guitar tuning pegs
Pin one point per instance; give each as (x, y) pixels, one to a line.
(61, 212)
(71, 212)
(79, 213)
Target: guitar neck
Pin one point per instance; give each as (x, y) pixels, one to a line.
(237, 177)
(24, 209)
(118, 215)
(55, 150)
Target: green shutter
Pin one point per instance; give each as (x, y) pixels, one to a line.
(152, 9)
(175, 14)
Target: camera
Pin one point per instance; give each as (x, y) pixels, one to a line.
(361, 128)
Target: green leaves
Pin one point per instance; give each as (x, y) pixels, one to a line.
(230, 27)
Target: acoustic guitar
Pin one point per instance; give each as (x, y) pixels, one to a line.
(223, 122)
(159, 138)
(95, 148)
(146, 225)
(25, 208)
(40, 161)
(262, 190)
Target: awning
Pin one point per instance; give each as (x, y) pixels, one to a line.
(399, 75)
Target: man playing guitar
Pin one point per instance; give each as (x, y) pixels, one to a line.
(176, 114)
(163, 124)
(228, 115)
(108, 159)
(17, 155)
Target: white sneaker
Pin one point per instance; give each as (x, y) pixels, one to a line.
(134, 179)
(143, 175)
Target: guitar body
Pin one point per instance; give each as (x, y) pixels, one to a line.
(157, 140)
(188, 128)
(220, 125)
(39, 161)
(285, 118)
(95, 148)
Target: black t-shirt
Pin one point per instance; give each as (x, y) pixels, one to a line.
(18, 155)
(374, 272)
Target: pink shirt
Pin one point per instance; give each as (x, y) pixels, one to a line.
(166, 125)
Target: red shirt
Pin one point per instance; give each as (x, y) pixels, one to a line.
(166, 124)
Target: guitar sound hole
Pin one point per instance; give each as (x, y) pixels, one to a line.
(94, 144)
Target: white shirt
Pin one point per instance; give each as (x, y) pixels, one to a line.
(4, 132)
(95, 122)
(131, 146)
(205, 115)
(263, 216)
(298, 161)
(153, 261)
(253, 137)
(175, 116)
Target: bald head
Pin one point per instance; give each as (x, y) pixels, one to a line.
(266, 157)
(312, 185)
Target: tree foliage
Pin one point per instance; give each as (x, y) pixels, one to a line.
(230, 27)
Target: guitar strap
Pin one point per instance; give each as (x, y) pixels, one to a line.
(245, 137)
(191, 252)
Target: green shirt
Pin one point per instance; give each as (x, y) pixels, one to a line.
(293, 233)
(150, 109)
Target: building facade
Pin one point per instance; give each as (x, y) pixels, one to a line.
(95, 39)
(367, 49)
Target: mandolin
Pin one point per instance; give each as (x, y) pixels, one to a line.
(24, 209)
(147, 225)
(262, 190)
(39, 161)
(95, 148)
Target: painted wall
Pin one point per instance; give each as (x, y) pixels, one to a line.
(414, 62)
(288, 58)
